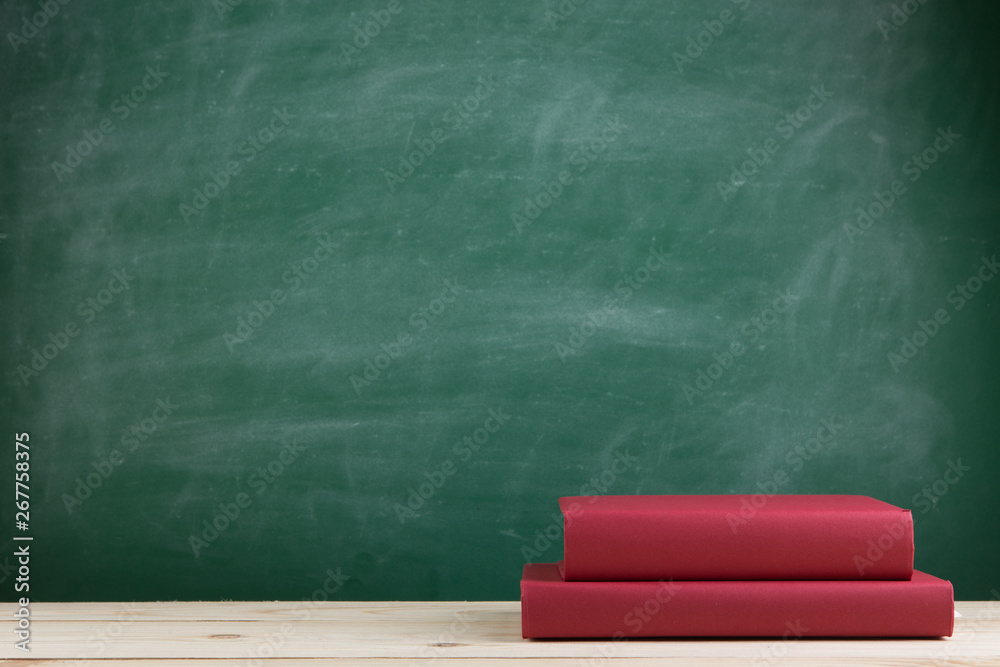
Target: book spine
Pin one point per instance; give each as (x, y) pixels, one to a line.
(621, 546)
(552, 608)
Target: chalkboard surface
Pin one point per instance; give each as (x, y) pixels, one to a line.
(312, 299)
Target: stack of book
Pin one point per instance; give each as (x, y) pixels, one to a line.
(734, 566)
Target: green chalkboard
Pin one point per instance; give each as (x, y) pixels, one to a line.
(328, 299)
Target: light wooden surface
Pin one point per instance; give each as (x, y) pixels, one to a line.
(219, 634)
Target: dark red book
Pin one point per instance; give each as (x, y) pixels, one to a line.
(553, 608)
(735, 537)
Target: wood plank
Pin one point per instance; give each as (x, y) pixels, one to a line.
(431, 630)
(530, 662)
(233, 611)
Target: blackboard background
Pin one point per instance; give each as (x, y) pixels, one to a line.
(550, 82)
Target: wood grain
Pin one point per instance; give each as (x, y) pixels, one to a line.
(213, 634)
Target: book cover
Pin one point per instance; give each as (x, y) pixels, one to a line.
(554, 608)
(735, 537)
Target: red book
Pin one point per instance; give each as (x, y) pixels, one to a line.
(735, 537)
(552, 608)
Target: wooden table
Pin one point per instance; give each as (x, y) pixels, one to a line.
(218, 634)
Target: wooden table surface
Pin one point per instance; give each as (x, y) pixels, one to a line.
(218, 634)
